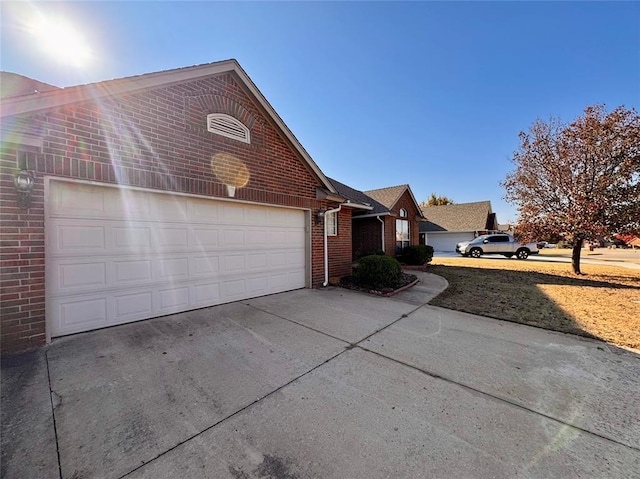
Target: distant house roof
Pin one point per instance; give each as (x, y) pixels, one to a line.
(12, 85)
(459, 217)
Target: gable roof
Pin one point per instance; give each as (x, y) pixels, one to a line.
(358, 197)
(46, 100)
(12, 85)
(390, 195)
(458, 217)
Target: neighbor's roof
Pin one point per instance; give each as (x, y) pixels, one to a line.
(389, 196)
(456, 217)
(359, 197)
(13, 85)
(42, 101)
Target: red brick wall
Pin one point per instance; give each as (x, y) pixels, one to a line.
(154, 139)
(366, 231)
(408, 204)
(367, 235)
(339, 247)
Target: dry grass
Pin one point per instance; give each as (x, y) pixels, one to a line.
(605, 303)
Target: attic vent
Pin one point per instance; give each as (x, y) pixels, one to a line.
(226, 125)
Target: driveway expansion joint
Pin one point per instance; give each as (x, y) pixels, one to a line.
(53, 411)
(500, 399)
(235, 413)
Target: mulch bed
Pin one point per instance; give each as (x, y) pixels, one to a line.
(350, 282)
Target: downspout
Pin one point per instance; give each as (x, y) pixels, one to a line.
(382, 221)
(326, 249)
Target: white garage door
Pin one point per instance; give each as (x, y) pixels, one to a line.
(114, 255)
(446, 242)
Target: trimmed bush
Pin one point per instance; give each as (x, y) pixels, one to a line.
(417, 254)
(376, 252)
(379, 272)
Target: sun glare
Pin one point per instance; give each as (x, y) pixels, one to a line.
(61, 41)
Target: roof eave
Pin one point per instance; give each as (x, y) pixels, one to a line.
(93, 91)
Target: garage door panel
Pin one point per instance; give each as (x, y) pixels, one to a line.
(206, 294)
(73, 237)
(132, 239)
(104, 270)
(258, 286)
(233, 237)
(171, 269)
(447, 241)
(170, 239)
(129, 307)
(203, 211)
(202, 238)
(75, 314)
(82, 275)
(234, 289)
(230, 213)
(164, 207)
(77, 200)
(204, 265)
(130, 271)
(173, 299)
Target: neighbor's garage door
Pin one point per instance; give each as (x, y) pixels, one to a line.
(447, 241)
(116, 255)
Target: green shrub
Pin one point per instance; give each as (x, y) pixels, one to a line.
(417, 254)
(379, 272)
(360, 254)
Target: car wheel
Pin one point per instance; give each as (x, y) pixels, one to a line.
(475, 252)
(522, 253)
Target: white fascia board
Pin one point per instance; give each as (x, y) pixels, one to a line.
(93, 91)
(357, 206)
(371, 215)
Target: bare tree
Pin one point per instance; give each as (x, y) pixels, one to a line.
(581, 180)
(436, 201)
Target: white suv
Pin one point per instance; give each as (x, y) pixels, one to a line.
(496, 244)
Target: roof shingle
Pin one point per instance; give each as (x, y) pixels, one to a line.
(457, 217)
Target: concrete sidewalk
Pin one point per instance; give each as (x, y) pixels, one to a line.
(322, 383)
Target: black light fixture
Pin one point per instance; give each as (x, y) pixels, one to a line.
(320, 216)
(24, 181)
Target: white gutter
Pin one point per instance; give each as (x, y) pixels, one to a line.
(382, 221)
(326, 249)
(370, 215)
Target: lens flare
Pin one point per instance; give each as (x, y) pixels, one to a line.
(60, 40)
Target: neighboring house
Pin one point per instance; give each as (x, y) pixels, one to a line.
(507, 228)
(447, 225)
(152, 195)
(391, 223)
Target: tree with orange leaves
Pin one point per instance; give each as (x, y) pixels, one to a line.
(581, 180)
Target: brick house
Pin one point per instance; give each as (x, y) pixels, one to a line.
(155, 194)
(391, 223)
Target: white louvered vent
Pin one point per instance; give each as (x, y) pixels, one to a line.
(228, 126)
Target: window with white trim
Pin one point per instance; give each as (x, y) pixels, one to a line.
(402, 235)
(228, 126)
(332, 223)
(403, 213)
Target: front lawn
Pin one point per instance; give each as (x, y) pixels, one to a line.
(605, 303)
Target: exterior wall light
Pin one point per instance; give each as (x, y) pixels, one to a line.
(320, 216)
(24, 181)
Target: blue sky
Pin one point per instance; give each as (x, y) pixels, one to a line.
(427, 93)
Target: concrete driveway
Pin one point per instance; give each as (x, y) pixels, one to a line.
(322, 384)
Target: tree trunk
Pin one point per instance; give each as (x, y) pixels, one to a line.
(575, 255)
